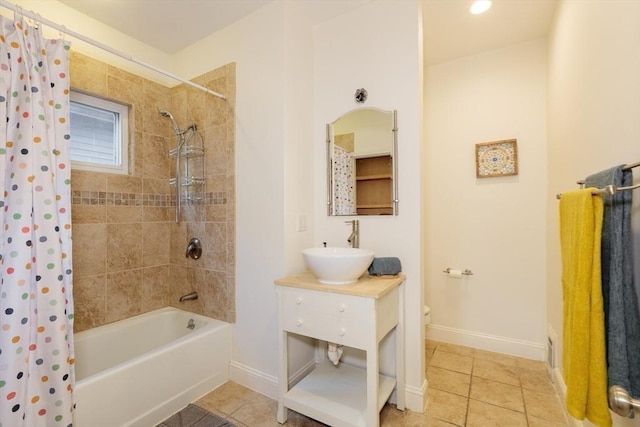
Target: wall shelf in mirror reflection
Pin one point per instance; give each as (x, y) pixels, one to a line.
(362, 163)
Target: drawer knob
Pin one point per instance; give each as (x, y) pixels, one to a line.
(342, 308)
(299, 300)
(341, 332)
(299, 322)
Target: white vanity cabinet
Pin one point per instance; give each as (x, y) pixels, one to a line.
(357, 315)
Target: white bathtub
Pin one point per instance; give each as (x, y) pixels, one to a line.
(139, 371)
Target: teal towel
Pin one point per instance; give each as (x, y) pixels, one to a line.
(622, 316)
(385, 266)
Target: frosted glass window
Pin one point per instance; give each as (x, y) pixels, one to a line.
(99, 134)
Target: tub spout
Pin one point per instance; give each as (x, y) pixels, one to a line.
(189, 297)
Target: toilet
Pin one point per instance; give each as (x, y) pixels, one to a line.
(427, 315)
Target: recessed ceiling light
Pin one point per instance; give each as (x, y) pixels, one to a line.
(480, 6)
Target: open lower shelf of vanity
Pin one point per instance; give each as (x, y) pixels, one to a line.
(336, 395)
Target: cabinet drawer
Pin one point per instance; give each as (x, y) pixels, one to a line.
(342, 319)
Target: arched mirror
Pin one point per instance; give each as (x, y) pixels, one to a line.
(362, 159)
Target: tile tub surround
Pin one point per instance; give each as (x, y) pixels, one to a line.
(467, 388)
(128, 252)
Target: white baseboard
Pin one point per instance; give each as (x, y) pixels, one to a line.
(526, 349)
(264, 383)
(254, 379)
(415, 398)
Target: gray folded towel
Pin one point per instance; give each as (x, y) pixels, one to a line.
(385, 266)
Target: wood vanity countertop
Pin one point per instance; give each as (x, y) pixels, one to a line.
(366, 286)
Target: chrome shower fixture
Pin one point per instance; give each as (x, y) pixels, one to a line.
(189, 154)
(165, 113)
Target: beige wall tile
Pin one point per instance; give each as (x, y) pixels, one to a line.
(154, 99)
(88, 74)
(89, 294)
(124, 214)
(124, 184)
(156, 243)
(158, 214)
(88, 214)
(88, 181)
(134, 239)
(124, 294)
(157, 163)
(89, 249)
(124, 246)
(154, 287)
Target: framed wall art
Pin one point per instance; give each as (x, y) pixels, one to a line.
(497, 158)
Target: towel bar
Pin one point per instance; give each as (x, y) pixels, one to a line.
(465, 272)
(621, 402)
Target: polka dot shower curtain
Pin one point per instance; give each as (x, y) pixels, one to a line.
(36, 309)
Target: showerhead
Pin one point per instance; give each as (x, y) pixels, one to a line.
(165, 113)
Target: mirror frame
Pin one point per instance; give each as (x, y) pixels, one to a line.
(394, 162)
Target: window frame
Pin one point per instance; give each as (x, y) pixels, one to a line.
(122, 135)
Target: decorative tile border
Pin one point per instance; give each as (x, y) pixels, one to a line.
(140, 199)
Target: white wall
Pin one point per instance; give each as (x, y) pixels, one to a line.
(272, 49)
(378, 47)
(594, 106)
(492, 226)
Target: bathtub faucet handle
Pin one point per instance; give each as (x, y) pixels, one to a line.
(194, 248)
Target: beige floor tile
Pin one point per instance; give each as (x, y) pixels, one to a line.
(536, 380)
(452, 362)
(227, 398)
(543, 405)
(482, 414)
(532, 365)
(447, 407)
(539, 422)
(450, 381)
(298, 420)
(496, 393)
(456, 349)
(467, 388)
(507, 374)
(390, 416)
(259, 412)
(430, 345)
(414, 419)
(503, 359)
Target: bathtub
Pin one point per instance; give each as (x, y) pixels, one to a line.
(139, 371)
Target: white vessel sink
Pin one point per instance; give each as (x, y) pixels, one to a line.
(337, 266)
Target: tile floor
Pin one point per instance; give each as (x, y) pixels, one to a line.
(467, 387)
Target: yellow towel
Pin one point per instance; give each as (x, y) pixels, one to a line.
(583, 357)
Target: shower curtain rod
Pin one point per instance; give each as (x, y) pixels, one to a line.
(102, 46)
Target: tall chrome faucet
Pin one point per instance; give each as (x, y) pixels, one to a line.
(354, 238)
